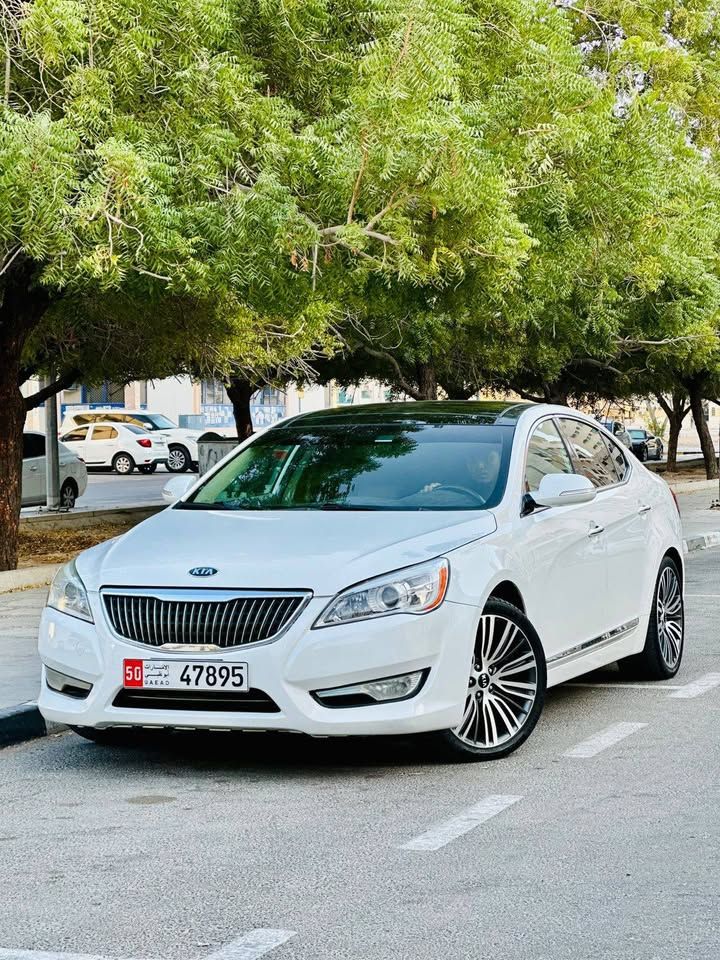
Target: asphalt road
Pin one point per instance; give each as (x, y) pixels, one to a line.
(111, 490)
(175, 848)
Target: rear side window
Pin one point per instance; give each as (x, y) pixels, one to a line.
(78, 434)
(618, 458)
(546, 454)
(590, 451)
(104, 432)
(33, 446)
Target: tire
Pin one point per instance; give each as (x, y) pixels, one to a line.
(123, 464)
(643, 454)
(68, 494)
(497, 721)
(148, 468)
(659, 451)
(178, 460)
(661, 656)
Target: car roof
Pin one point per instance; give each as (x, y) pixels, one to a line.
(484, 412)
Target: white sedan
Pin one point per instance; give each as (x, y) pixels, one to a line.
(121, 446)
(73, 473)
(391, 569)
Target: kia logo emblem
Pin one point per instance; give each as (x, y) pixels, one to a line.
(202, 572)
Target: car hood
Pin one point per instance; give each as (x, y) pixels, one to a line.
(320, 551)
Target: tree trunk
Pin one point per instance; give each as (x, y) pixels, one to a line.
(22, 305)
(706, 441)
(675, 411)
(426, 381)
(240, 393)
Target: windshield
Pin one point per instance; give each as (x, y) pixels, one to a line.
(637, 434)
(359, 466)
(156, 422)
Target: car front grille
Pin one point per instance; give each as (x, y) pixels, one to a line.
(219, 619)
(250, 701)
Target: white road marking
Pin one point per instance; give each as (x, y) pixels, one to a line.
(252, 945)
(696, 688)
(627, 686)
(464, 822)
(606, 738)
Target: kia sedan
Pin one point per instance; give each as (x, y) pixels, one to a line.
(410, 568)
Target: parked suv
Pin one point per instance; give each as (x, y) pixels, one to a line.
(73, 474)
(122, 446)
(182, 444)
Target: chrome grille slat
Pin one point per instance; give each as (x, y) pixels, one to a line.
(231, 621)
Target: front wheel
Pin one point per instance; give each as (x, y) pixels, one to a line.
(123, 464)
(178, 460)
(660, 657)
(643, 454)
(506, 687)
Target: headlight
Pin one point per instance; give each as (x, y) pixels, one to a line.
(418, 589)
(68, 594)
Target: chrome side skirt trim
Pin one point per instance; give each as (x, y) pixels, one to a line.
(602, 640)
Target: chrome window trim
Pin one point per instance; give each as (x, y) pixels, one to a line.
(199, 595)
(610, 636)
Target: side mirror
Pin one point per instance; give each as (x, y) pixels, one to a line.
(175, 488)
(561, 489)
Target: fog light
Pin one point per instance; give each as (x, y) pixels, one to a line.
(70, 686)
(384, 690)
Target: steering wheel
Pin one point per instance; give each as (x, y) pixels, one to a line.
(466, 490)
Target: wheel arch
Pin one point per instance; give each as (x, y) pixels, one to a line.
(509, 592)
(674, 554)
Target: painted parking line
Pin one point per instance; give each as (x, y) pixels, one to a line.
(251, 946)
(696, 688)
(627, 686)
(601, 741)
(464, 822)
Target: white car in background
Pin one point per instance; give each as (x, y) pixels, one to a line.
(121, 446)
(387, 569)
(73, 473)
(182, 443)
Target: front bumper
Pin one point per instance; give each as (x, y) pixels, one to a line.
(287, 670)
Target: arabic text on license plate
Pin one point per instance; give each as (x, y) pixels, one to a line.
(185, 675)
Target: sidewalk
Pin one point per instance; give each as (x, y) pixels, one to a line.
(20, 612)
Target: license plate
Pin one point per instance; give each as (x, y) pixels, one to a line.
(185, 675)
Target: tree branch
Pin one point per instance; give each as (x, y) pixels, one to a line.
(51, 390)
(404, 385)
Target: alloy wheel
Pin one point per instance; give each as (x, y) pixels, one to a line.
(122, 464)
(176, 461)
(502, 687)
(67, 496)
(669, 614)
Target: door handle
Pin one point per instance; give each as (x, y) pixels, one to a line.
(595, 529)
(644, 508)
(33, 469)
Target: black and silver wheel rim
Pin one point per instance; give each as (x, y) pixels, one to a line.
(176, 460)
(503, 685)
(122, 465)
(67, 497)
(669, 616)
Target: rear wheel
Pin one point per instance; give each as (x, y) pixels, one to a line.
(68, 494)
(506, 687)
(178, 459)
(660, 657)
(123, 463)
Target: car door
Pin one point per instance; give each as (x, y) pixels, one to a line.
(101, 445)
(76, 441)
(33, 469)
(563, 557)
(620, 518)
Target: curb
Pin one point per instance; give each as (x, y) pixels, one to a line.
(26, 578)
(84, 518)
(703, 542)
(24, 722)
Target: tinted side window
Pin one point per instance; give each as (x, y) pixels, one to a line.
(546, 454)
(33, 446)
(78, 434)
(618, 459)
(103, 432)
(592, 456)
